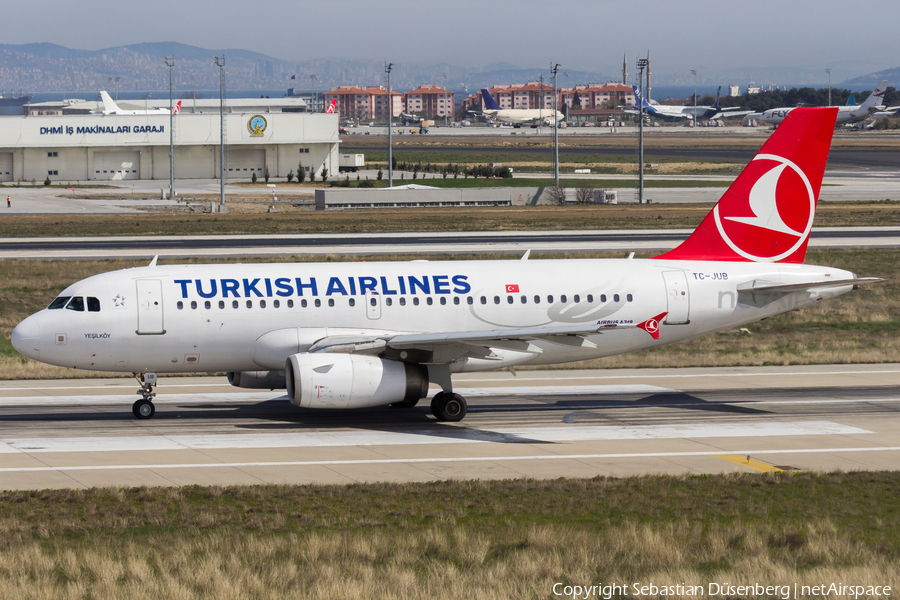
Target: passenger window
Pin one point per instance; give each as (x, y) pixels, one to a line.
(290, 304)
(576, 298)
(537, 299)
(76, 303)
(602, 297)
(388, 301)
(193, 304)
(455, 299)
(277, 304)
(318, 303)
(262, 303)
(94, 304)
(234, 304)
(483, 300)
(549, 299)
(615, 297)
(373, 302)
(352, 302)
(221, 304)
(470, 300)
(303, 303)
(179, 305)
(509, 300)
(496, 299)
(629, 297)
(590, 299)
(562, 298)
(207, 305)
(402, 301)
(331, 302)
(59, 302)
(443, 300)
(429, 301)
(415, 300)
(249, 303)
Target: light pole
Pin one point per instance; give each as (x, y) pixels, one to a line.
(220, 62)
(194, 94)
(555, 69)
(170, 62)
(694, 73)
(829, 85)
(641, 64)
(390, 104)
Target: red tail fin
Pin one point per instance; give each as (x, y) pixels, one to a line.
(331, 106)
(767, 213)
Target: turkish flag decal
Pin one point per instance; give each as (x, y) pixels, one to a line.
(512, 288)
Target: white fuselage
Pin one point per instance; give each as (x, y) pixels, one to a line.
(846, 114)
(188, 318)
(525, 115)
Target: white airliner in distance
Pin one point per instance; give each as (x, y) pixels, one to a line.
(365, 334)
(518, 116)
(846, 114)
(674, 113)
(111, 108)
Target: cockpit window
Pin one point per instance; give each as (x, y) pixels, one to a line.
(93, 304)
(76, 303)
(59, 302)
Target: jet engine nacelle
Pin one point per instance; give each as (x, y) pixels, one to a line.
(257, 380)
(326, 380)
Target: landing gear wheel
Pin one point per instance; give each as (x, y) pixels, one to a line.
(143, 409)
(405, 403)
(449, 407)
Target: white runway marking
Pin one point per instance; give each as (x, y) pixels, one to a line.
(445, 435)
(388, 461)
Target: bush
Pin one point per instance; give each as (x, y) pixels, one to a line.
(366, 184)
(266, 175)
(380, 175)
(47, 181)
(301, 174)
(253, 178)
(290, 176)
(324, 173)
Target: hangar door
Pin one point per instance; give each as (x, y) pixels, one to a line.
(116, 166)
(6, 166)
(243, 163)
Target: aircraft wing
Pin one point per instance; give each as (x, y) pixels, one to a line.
(734, 113)
(458, 343)
(787, 288)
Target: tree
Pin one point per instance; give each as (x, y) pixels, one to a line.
(301, 174)
(380, 175)
(576, 101)
(557, 195)
(266, 175)
(324, 173)
(253, 177)
(584, 194)
(290, 176)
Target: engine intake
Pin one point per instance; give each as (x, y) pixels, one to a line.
(328, 380)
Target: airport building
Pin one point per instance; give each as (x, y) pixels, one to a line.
(80, 147)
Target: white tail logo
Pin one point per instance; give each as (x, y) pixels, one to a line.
(764, 204)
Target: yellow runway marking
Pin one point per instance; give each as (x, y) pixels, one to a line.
(746, 461)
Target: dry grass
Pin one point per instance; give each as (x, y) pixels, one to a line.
(248, 217)
(861, 327)
(502, 539)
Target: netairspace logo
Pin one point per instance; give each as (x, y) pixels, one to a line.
(718, 590)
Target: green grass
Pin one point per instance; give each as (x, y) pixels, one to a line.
(470, 539)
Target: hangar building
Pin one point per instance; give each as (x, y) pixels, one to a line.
(118, 147)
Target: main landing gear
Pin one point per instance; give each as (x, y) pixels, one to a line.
(143, 408)
(447, 406)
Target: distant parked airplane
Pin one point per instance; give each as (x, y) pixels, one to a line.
(111, 108)
(518, 116)
(674, 113)
(846, 114)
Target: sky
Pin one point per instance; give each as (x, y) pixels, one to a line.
(587, 35)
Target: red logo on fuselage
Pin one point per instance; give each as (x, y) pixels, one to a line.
(772, 210)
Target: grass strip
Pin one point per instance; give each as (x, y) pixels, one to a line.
(455, 539)
(248, 217)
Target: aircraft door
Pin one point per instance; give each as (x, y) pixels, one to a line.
(150, 307)
(373, 305)
(678, 297)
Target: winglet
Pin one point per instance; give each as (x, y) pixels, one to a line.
(651, 325)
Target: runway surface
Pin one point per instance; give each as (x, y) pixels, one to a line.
(541, 424)
(402, 243)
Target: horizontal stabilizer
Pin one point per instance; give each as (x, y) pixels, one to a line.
(786, 288)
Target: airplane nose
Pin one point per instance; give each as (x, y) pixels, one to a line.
(26, 338)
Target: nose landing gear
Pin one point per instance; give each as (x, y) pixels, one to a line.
(143, 408)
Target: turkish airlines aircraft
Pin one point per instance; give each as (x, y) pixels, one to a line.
(851, 113)
(366, 334)
(111, 108)
(331, 106)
